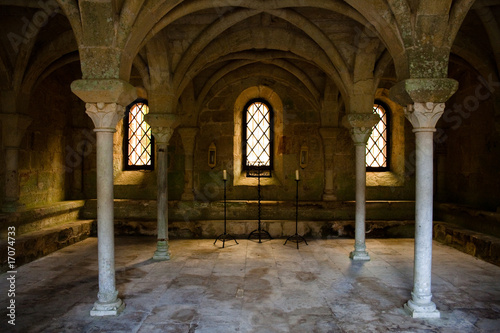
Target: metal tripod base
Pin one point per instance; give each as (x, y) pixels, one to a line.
(297, 239)
(224, 237)
(260, 233)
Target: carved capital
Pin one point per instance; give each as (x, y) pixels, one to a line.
(162, 134)
(105, 115)
(424, 116)
(188, 136)
(360, 125)
(162, 126)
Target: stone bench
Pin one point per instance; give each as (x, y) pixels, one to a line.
(477, 244)
(43, 230)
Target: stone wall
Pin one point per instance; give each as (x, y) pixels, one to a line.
(468, 146)
(44, 159)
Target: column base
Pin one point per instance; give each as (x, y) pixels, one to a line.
(421, 311)
(107, 309)
(162, 252)
(329, 197)
(359, 256)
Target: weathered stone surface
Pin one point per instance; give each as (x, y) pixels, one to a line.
(37, 244)
(423, 91)
(474, 243)
(36, 219)
(104, 91)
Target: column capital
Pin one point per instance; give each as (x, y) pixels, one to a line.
(360, 126)
(162, 125)
(14, 127)
(424, 116)
(105, 115)
(435, 90)
(104, 91)
(188, 136)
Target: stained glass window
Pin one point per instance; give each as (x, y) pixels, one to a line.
(138, 146)
(258, 136)
(377, 147)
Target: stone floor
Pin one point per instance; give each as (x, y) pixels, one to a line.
(253, 287)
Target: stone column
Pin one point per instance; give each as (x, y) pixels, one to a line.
(423, 117)
(105, 117)
(13, 129)
(329, 135)
(361, 125)
(105, 100)
(188, 136)
(162, 126)
(425, 104)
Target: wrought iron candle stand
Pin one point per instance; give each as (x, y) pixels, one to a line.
(259, 232)
(225, 235)
(296, 237)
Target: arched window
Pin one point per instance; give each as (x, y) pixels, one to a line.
(138, 145)
(258, 134)
(377, 147)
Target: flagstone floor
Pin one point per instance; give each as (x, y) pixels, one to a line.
(252, 287)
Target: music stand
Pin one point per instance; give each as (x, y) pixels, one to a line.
(296, 237)
(259, 232)
(225, 235)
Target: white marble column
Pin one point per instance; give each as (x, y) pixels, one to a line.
(188, 136)
(105, 117)
(13, 130)
(329, 136)
(423, 117)
(162, 126)
(361, 127)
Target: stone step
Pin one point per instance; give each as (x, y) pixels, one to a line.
(477, 244)
(38, 218)
(33, 245)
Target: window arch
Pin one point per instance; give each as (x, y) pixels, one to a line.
(258, 137)
(138, 141)
(378, 145)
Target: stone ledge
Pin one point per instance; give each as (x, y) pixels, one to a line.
(277, 228)
(34, 245)
(479, 245)
(38, 218)
(470, 218)
(146, 210)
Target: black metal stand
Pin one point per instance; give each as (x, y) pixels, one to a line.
(225, 235)
(296, 238)
(259, 232)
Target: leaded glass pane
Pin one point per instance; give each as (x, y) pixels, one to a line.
(258, 135)
(139, 137)
(376, 147)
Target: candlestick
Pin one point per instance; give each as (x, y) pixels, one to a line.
(224, 175)
(296, 174)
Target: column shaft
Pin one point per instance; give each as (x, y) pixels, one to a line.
(361, 127)
(108, 303)
(359, 252)
(421, 305)
(162, 252)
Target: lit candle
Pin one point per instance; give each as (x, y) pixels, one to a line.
(296, 174)
(224, 175)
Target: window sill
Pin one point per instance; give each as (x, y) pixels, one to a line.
(386, 178)
(243, 180)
